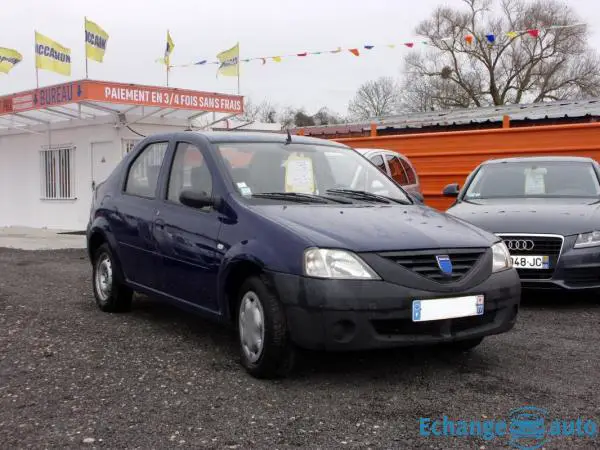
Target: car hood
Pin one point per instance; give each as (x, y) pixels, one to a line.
(376, 228)
(545, 216)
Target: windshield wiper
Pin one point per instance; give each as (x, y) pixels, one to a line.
(298, 197)
(364, 195)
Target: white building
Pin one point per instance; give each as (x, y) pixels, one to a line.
(56, 143)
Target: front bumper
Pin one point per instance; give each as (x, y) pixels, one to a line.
(360, 315)
(577, 270)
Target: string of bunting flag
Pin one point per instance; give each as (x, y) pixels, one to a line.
(469, 39)
(52, 56)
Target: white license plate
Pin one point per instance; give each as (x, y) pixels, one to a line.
(447, 308)
(530, 262)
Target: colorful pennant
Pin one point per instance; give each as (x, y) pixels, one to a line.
(469, 39)
(9, 57)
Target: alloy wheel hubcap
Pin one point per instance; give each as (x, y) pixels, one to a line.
(104, 277)
(251, 326)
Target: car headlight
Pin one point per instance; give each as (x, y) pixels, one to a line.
(591, 239)
(336, 264)
(501, 257)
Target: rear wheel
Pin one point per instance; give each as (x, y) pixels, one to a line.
(111, 295)
(266, 351)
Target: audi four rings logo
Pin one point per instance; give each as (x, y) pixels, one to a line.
(520, 244)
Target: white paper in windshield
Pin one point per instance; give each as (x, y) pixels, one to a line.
(299, 175)
(534, 181)
(244, 189)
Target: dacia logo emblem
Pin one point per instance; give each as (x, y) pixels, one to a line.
(444, 263)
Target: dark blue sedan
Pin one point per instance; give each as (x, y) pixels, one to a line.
(259, 231)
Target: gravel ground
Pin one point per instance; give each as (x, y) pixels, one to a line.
(72, 376)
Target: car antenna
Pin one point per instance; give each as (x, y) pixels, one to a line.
(289, 137)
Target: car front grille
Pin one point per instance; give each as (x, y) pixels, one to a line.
(424, 262)
(537, 245)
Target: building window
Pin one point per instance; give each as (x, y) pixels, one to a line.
(129, 144)
(57, 165)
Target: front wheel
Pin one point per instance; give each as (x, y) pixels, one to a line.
(266, 351)
(110, 294)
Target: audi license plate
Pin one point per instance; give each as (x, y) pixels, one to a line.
(447, 308)
(530, 262)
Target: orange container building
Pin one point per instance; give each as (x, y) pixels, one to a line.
(445, 146)
(447, 157)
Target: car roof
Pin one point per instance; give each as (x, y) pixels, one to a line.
(246, 136)
(364, 151)
(540, 159)
(253, 136)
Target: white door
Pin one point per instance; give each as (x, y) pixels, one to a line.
(105, 157)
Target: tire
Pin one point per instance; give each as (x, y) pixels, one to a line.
(110, 294)
(464, 345)
(260, 313)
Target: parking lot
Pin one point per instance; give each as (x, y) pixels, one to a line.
(72, 376)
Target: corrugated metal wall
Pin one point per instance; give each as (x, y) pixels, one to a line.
(443, 158)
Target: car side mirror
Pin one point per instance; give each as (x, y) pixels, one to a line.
(196, 199)
(417, 197)
(451, 190)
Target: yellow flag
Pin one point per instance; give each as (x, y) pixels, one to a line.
(95, 41)
(512, 34)
(50, 55)
(230, 61)
(168, 50)
(9, 58)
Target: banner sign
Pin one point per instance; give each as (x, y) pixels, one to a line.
(123, 94)
(164, 97)
(61, 94)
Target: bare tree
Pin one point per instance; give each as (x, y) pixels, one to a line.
(298, 117)
(325, 116)
(552, 63)
(302, 119)
(287, 117)
(375, 98)
(261, 112)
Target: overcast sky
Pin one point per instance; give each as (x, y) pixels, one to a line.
(202, 28)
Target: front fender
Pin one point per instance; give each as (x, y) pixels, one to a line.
(265, 257)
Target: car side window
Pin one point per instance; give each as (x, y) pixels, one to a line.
(378, 161)
(189, 172)
(142, 177)
(410, 173)
(397, 172)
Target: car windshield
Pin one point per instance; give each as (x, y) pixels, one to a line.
(534, 179)
(299, 172)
